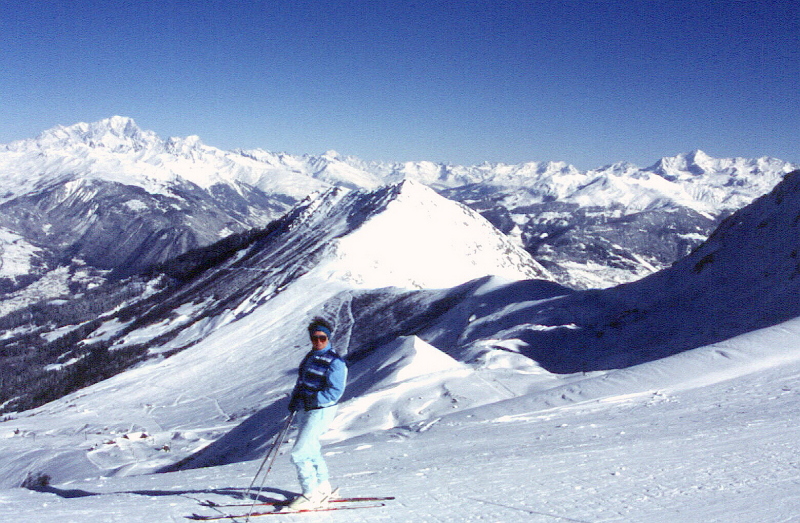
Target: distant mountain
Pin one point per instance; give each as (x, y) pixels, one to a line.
(79, 201)
(617, 223)
(114, 197)
(117, 150)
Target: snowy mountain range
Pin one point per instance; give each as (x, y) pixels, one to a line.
(474, 372)
(90, 198)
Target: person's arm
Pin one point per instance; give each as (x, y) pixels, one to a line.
(295, 401)
(337, 379)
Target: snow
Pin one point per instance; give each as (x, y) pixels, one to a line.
(491, 435)
(649, 443)
(15, 254)
(389, 249)
(596, 276)
(53, 284)
(644, 444)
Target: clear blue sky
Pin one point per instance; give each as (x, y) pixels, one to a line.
(586, 82)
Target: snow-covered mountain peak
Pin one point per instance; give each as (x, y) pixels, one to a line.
(554, 167)
(698, 165)
(118, 134)
(412, 237)
(674, 167)
(699, 157)
(119, 126)
(189, 147)
(411, 188)
(402, 235)
(622, 170)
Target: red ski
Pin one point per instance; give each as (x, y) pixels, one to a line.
(216, 517)
(284, 502)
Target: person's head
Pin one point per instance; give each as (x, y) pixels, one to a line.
(320, 332)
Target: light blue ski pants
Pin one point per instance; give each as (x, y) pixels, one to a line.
(307, 451)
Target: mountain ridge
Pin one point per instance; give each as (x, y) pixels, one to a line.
(160, 197)
(122, 135)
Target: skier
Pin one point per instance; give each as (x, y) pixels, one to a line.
(320, 384)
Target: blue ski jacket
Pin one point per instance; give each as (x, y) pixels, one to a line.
(321, 380)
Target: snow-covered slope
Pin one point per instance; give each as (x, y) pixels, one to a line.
(705, 434)
(17, 256)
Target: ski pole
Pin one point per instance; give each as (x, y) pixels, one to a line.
(272, 454)
(272, 450)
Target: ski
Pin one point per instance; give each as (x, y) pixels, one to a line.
(284, 502)
(217, 517)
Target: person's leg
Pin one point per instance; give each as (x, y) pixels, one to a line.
(305, 447)
(326, 417)
(307, 452)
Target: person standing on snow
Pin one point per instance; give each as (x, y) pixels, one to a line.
(320, 384)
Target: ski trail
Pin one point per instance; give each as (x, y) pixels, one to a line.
(344, 320)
